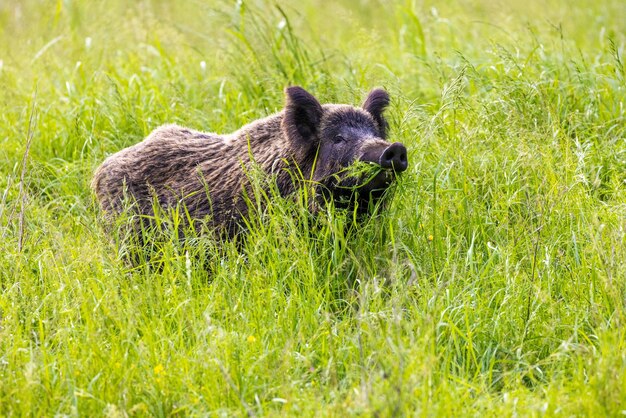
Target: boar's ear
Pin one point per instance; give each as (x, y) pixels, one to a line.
(375, 105)
(302, 114)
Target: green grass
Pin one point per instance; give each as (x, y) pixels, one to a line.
(491, 285)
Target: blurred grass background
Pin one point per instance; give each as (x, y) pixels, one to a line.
(493, 284)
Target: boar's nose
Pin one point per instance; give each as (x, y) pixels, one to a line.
(394, 157)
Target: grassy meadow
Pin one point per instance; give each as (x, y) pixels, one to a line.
(490, 286)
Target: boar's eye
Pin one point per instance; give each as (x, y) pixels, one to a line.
(339, 138)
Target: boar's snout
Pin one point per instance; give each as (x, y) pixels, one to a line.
(394, 157)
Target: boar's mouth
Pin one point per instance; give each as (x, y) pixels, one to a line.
(361, 188)
(380, 167)
(362, 178)
(368, 178)
(381, 181)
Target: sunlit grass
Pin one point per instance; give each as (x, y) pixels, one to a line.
(492, 283)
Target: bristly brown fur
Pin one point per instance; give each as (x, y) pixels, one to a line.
(207, 172)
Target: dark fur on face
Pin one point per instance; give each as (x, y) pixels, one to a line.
(206, 172)
(342, 135)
